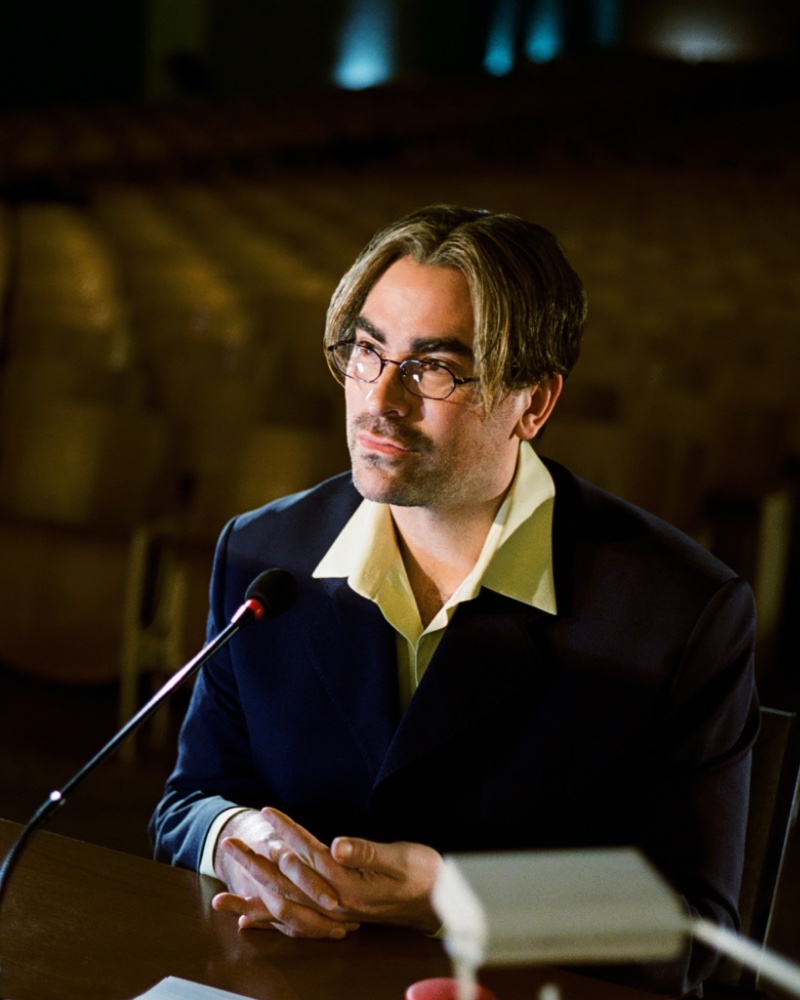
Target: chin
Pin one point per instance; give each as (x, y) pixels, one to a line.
(379, 488)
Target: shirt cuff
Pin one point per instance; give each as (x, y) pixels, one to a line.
(206, 866)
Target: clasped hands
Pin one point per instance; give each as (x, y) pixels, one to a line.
(280, 876)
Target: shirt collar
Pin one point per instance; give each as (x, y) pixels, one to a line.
(516, 559)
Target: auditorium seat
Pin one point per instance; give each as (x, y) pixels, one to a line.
(66, 298)
(61, 601)
(77, 462)
(264, 462)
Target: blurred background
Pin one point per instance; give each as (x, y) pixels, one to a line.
(183, 182)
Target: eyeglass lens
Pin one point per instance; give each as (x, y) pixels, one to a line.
(419, 377)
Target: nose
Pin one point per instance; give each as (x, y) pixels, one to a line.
(387, 394)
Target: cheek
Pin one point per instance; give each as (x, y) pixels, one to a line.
(353, 397)
(490, 446)
(460, 437)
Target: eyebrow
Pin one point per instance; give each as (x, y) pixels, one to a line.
(419, 345)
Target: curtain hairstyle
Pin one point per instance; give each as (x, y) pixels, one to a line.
(528, 302)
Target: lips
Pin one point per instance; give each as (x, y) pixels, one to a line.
(381, 444)
(383, 437)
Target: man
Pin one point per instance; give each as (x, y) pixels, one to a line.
(486, 652)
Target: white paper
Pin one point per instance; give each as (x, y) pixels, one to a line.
(173, 988)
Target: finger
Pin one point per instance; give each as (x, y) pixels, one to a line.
(287, 875)
(368, 856)
(227, 902)
(250, 907)
(280, 914)
(335, 932)
(309, 881)
(261, 870)
(304, 844)
(251, 910)
(268, 902)
(297, 920)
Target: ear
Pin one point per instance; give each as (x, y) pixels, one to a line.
(542, 398)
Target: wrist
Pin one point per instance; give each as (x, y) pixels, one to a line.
(244, 824)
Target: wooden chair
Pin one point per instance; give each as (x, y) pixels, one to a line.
(153, 619)
(773, 811)
(751, 529)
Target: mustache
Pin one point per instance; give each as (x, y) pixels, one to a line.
(406, 437)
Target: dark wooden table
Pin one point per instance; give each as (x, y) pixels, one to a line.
(82, 922)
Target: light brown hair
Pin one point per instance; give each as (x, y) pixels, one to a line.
(528, 302)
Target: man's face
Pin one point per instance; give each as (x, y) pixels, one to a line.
(415, 452)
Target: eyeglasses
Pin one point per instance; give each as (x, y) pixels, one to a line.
(428, 379)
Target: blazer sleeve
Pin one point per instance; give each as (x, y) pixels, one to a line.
(694, 816)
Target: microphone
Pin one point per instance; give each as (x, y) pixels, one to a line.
(269, 595)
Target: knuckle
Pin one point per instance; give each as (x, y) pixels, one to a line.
(274, 847)
(365, 852)
(281, 908)
(254, 908)
(286, 861)
(351, 901)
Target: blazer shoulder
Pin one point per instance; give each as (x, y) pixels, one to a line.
(592, 517)
(296, 530)
(328, 497)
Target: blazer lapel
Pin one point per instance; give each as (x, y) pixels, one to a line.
(487, 650)
(353, 651)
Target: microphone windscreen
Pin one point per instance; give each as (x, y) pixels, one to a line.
(275, 590)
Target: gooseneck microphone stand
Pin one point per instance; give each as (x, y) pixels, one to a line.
(269, 595)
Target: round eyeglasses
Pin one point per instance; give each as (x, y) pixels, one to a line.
(428, 379)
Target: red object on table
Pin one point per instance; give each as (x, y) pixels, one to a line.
(444, 988)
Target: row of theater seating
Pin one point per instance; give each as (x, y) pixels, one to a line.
(606, 108)
(68, 148)
(161, 357)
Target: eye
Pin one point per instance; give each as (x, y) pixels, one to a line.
(364, 346)
(448, 365)
(433, 362)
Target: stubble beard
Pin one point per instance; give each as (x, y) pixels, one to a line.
(407, 480)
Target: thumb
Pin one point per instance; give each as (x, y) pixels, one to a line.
(353, 852)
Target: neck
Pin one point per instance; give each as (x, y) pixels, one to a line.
(440, 548)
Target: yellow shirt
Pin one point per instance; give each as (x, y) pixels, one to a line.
(516, 560)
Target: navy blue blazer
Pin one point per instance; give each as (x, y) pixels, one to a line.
(626, 718)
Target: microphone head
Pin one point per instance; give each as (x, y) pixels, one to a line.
(275, 590)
